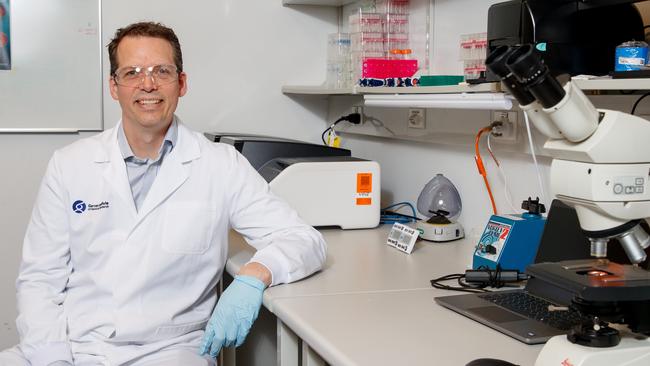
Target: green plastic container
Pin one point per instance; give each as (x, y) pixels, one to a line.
(438, 80)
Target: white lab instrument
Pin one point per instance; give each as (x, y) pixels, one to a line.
(601, 160)
(441, 203)
(328, 191)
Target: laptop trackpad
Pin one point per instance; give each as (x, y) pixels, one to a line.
(495, 314)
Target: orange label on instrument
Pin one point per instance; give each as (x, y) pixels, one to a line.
(364, 182)
(364, 201)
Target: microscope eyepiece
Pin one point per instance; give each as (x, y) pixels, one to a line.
(496, 62)
(526, 64)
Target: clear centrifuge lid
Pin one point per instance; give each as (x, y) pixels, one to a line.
(440, 195)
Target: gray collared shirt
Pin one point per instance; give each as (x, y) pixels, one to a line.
(142, 172)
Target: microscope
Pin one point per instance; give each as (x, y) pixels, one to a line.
(601, 168)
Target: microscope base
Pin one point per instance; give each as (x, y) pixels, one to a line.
(630, 352)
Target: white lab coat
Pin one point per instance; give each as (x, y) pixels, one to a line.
(113, 284)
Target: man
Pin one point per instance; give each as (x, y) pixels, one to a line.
(128, 237)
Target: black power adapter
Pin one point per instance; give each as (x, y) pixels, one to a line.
(489, 276)
(476, 280)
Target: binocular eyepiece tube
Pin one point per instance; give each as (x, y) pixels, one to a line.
(497, 63)
(525, 75)
(556, 111)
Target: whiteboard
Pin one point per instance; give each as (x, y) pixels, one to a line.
(55, 80)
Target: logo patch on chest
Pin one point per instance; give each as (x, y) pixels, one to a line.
(80, 206)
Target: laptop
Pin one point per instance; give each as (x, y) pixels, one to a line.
(523, 313)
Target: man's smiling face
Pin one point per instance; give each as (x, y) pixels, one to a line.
(147, 107)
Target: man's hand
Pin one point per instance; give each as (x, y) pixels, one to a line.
(234, 315)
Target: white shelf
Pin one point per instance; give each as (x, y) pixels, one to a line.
(321, 90)
(593, 84)
(612, 84)
(315, 90)
(443, 89)
(318, 2)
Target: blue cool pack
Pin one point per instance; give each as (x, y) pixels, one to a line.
(631, 56)
(511, 241)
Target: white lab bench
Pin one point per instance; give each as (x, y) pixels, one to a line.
(373, 305)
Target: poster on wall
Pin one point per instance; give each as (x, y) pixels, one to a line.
(5, 44)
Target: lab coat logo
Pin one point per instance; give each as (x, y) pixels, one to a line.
(79, 206)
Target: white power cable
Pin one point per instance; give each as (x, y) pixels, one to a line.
(532, 152)
(506, 191)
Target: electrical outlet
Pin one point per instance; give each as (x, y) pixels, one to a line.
(506, 130)
(358, 109)
(417, 118)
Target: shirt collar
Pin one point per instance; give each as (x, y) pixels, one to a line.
(170, 139)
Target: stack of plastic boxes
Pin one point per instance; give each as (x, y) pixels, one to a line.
(380, 31)
(473, 51)
(338, 61)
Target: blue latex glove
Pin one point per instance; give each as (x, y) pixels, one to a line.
(234, 315)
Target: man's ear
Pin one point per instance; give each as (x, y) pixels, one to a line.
(112, 87)
(182, 83)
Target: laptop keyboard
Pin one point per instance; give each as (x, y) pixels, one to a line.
(534, 308)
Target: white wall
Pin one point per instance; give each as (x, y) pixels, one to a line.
(22, 159)
(452, 18)
(237, 55)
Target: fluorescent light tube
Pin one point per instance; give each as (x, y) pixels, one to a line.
(491, 101)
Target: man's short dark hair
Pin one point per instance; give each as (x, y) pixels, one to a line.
(145, 29)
